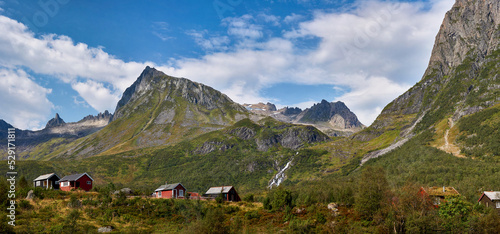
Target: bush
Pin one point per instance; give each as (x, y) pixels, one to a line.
(74, 202)
(220, 199)
(214, 221)
(279, 199)
(249, 198)
(25, 204)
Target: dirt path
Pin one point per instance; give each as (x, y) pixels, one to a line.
(448, 146)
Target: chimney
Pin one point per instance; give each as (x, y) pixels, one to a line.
(166, 182)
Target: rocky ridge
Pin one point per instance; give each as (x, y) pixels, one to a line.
(332, 118)
(56, 128)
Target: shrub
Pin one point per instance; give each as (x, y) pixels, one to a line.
(74, 202)
(249, 198)
(25, 204)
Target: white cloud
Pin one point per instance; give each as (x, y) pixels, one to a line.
(210, 43)
(369, 95)
(375, 42)
(24, 103)
(272, 19)
(78, 102)
(60, 57)
(96, 95)
(242, 27)
(292, 18)
(372, 43)
(161, 30)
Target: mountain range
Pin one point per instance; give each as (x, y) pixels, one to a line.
(167, 128)
(332, 118)
(158, 110)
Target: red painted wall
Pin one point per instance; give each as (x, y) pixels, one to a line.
(80, 183)
(83, 183)
(170, 193)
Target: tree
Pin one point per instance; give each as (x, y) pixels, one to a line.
(455, 212)
(23, 183)
(282, 199)
(372, 191)
(488, 223)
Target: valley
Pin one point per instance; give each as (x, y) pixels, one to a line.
(302, 171)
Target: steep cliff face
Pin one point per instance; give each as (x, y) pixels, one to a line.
(461, 79)
(264, 135)
(467, 41)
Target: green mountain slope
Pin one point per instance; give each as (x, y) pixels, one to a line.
(247, 155)
(158, 110)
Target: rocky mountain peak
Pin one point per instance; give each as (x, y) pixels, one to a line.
(325, 111)
(290, 111)
(268, 107)
(101, 116)
(467, 41)
(55, 122)
(469, 29)
(461, 79)
(152, 80)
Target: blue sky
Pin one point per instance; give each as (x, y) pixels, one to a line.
(76, 58)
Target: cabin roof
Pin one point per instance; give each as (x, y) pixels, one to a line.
(168, 187)
(441, 191)
(218, 190)
(492, 195)
(46, 176)
(75, 177)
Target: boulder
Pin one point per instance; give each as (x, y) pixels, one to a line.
(30, 195)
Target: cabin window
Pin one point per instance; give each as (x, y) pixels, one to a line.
(181, 193)
(38, 183)
(65, 184)
(89, 182)
(498, 204)
(159, 194)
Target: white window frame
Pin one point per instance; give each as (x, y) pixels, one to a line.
(89, 182)
(38, 183)
(65, 184)
(181, 193)
(158, 194)
(498, 204)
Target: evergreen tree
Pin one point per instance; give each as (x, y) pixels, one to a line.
(372, 191)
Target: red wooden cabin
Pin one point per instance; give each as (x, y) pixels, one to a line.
(73, 182)
(171, 191)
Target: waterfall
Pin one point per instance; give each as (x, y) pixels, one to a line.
(280, 176)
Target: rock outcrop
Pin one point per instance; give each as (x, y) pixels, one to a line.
(55, 122)
(461, 79)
